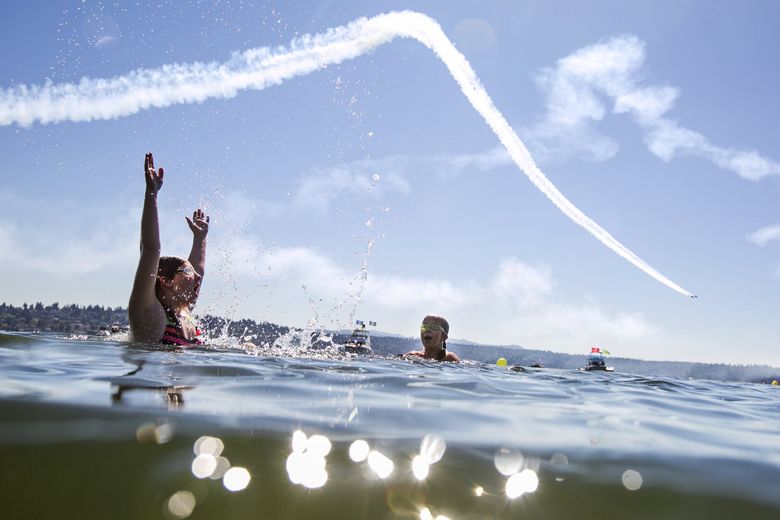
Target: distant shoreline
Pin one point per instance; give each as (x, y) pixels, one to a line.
(100, 320)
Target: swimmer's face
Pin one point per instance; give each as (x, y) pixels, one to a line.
(431, 333)
(186, 282)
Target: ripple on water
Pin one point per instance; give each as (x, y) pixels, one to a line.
(398, 398)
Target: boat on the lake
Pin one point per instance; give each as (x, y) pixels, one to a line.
(359, 342)
(596, 361)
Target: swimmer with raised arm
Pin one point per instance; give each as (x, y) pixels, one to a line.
(166, 288)
(433, 334)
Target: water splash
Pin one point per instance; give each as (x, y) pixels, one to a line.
(258, 68)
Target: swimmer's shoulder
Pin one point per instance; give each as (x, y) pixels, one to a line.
(452, 356)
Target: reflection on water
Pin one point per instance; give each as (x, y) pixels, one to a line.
(154, 433)
(265, 437)
(172, 395)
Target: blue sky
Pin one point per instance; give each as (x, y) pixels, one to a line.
(373, 189)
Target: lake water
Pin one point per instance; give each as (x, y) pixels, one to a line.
(97, 428)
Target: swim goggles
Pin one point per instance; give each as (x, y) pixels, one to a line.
(186, 270)
(431, 327)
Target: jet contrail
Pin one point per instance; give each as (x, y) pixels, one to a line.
(92, 99)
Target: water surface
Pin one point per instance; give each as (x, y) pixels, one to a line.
(93, 427)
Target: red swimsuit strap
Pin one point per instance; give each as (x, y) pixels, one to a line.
(174, 334)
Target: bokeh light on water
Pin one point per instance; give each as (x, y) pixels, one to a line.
(520, 483)
(420, 467)
(508, 461)
(306, 464)
(204, 465)
(425, 514)
(380, 464)
(223, 465)
(299, 441)
(358, 450)
(559, 459)
(180, 504)
(236, 479)
(318, 445)
(209, 446)
(208, 462)
(632, 480)
(432, 448)
(307, 470)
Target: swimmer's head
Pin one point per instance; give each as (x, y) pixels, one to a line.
(168, 266)
(434, 320)
(434, 331)
(177, 282)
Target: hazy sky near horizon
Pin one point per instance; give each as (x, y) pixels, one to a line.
(372, 189)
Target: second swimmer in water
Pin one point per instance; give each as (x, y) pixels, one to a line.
(433, 334)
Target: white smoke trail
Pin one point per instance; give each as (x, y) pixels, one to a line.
(92, 99)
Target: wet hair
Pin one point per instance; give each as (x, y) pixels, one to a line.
(440, 321)
(168, 266)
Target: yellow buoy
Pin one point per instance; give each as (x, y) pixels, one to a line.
(773, 382)
(501, 362)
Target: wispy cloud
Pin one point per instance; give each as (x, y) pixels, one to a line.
(316, 192)
(104, 41)
(63, 239)
(61, 252)
(365, 178)
(765, 235)
(63, 256)
(67, 240)
(609, 76)
(516, 304)
(376, 177)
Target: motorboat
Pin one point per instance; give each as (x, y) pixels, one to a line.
(596, 361)
(359, 342)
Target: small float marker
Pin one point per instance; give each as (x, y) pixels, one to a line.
(501, 362)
